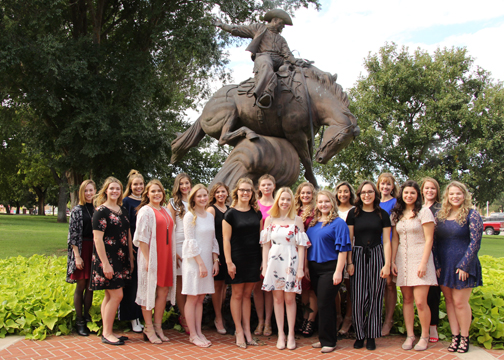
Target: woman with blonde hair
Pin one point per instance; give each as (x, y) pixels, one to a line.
(129, 310)
(284, 242)
(80, 252)
(178, 208)
(263, 300)
(218, 198)
(113, 254)
(388, 190)
(241, 229)
(156, 260)
(457, 241)
(330, 240)
(304, 201)
(200, 255)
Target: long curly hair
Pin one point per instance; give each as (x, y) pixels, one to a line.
(265, 177)
(177, 194)
(145, 199)
(253, 199)
(388, 177)
(446, 207)
(333, 213)
(308, 211)
(133, 174)
(400, 206)
(376, 203)
(211, 198)
(102, 194)
(192, 202)
(436, 185)
(275, 209)
(352, 192)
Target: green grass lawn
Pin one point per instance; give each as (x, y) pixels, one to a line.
(27, 235)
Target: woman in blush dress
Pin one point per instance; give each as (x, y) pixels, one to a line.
(112, 260)
(80, 252)
(412, 261)
(178, 208)
(284, 242)
(263, 300)
(345, 198)
(458, 238)
(156, 260)
(218, 198)
(241, 229)
(430, 194)
(330, 240)
(388, 190)
(129, 310)
(200, 264)
(369, 263)
(304, 200)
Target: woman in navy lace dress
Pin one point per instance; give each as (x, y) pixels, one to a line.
(457, 241)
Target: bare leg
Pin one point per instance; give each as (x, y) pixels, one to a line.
(246, 308)
(409, 315)
(159, 309)
(347, 321)
(217, 299)
(313, 306)
(462, 309)
(450, 310)
(236, 311)
(268, 308)
(278, 297)
(109, 309)
(259, 306)
(420, 294)
(390, 304)
(290, 307)
(181, 299)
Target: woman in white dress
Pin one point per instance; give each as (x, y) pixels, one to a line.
(157, 272)
(200, 254)
(178, 208)
(284, 242)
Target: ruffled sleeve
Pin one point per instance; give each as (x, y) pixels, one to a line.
(265, 236)
(301, 238)
(143, 232)
(190, 248)
(341, 235)
(476, 231)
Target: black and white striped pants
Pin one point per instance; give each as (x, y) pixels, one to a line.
(368, 289)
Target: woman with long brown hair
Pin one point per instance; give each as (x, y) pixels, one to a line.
(156, 260)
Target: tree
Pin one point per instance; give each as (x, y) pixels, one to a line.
(107, 81)
(425, 115)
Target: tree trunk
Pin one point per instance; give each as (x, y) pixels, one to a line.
(18, 208)
(41, 200)
(62, 195)
(7, 208)
(74, 180)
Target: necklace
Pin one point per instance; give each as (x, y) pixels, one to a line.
(135, 197)
(167, 223)
(88, 212)
(220, 208)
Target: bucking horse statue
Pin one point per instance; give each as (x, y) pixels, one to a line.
(305, 100)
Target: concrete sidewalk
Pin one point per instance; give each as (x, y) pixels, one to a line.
(77, 347)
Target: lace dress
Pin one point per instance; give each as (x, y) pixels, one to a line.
(456, 247)
(410, 251)
(283, 257)
(199, 240)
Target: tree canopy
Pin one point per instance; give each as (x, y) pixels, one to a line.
(421, 115)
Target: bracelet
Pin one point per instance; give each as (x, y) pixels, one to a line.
(350, 264)
(216, 260)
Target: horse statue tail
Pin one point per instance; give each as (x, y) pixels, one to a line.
(263, 155)
(190, 138)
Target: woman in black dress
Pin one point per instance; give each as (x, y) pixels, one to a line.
(113, 254)
(219, 195)
(80, 251)
(241, 229)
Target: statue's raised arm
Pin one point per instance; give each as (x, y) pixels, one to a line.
(269, 51)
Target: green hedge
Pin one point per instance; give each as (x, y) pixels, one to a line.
(35, 301)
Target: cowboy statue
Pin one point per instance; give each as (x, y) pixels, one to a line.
(269, 51)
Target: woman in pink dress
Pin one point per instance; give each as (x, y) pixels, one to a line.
(412, 260)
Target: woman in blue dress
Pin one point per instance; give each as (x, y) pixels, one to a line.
(457, 241)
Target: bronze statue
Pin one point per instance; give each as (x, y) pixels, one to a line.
(269, 51)
(305, 99)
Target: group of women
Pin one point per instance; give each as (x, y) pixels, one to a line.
(275, 247)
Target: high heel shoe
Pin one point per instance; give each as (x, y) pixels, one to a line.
(433, 334)
(455, 343)
(183, 323)
(199, 342)
(408, 343)
(220, 331)
(150, 335)
(242, 345)
(159, 332)
(463, 344)
(267, 330)
(309, 328)
(259, 329)
(420, 347)
(291, 345)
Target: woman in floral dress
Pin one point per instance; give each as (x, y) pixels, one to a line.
(112, 260)
(284, 242)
